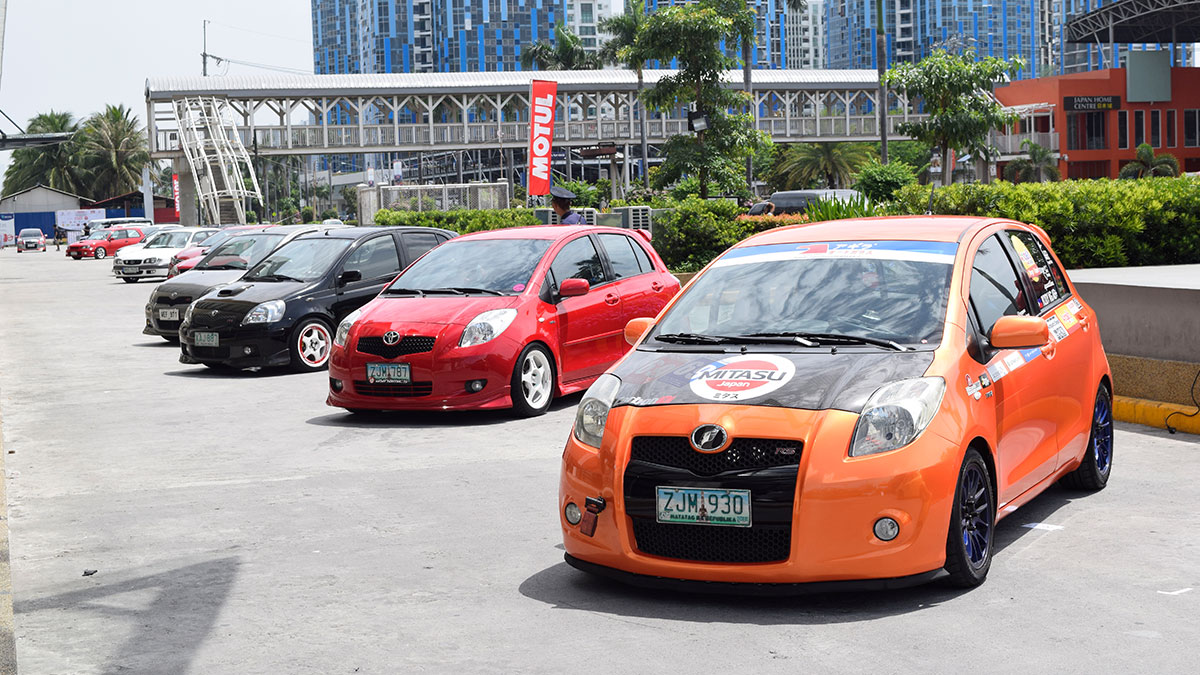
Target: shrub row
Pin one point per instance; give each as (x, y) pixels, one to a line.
(461, 221)
(1092, 223)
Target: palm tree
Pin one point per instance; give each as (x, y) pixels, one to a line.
(1040, 166)
(833, 163)
(114, 147)
(565, 52)
(1147, 164)
(624, 29)
(55, 166)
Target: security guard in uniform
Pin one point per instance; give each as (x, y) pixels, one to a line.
(561, 203)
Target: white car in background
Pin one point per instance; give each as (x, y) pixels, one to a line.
(152, 257)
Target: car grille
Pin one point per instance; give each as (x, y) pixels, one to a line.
(127, 262)
(226, 316)
(169, 302)
(409, 344)
(209, 352)
(708, 543)
(742, 454)
(410, 390)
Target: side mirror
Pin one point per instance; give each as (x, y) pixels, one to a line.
(571, 288)
(349, 276)
(108, 237)
(636, 328)
(1019, 332)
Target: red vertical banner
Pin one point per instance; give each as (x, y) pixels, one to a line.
(175, 188)
(541, 134)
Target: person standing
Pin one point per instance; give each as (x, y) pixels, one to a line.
(58, 234)
(560, 201)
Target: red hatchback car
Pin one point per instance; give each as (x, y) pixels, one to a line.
(508, 318)
(102, 243)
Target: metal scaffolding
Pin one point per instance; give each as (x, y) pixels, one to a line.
(218, 160)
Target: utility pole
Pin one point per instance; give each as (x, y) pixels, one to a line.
(881, 65)
(204, 51)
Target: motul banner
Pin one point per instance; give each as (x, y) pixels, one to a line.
(541, 134)
(175, 189)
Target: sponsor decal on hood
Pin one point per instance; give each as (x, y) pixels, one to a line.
(742, 377)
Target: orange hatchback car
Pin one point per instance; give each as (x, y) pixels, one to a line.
(856, 402)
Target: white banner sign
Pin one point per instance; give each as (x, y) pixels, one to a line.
(73, 221)
(8, 232)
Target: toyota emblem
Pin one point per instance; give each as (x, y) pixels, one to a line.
(391, 337)
(215, 312)
(709, 438)
(174, 295)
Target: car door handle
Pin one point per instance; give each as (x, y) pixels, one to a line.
(612, 298)
(656, 286)
(1049, 349)
(1085, 321)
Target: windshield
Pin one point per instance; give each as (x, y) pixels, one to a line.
(493, 265)
(215, 239)
(300, 260)
(169, 240)
(882, 290)
(96, 235)
(30, 233)
(240, 253)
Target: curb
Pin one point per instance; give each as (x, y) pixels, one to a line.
(1154, 413)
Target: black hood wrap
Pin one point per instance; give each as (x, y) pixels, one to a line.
(822, 381)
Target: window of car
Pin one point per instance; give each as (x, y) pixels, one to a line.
(30, 233)
(620, 255)
(168, 239)
(996, 290)
(496, 265)
(304, 259)
(240, 252)
(201, 236)
(417, 243)
(578, 260)
(1045, 278)
(642, 257)
(375, 258)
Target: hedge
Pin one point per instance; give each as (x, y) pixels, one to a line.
(698, 231)
(461, 221)
(1092, 223)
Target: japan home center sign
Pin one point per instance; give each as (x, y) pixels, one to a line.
(1089, 103)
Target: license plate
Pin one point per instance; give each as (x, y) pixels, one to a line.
(129, 270)
(169, 314)
(703, 506)
(384, 373)
(207, 339)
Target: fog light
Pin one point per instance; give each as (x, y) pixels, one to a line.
(886, 529)
(476, 386)
(335, 384)
(247, 350)
(572, 513)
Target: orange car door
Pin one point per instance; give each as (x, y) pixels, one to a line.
(1070, 352)
(590, 327)
(1014, 381)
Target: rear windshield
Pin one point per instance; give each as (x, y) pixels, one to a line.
(30, 233)
(500, 265)
(239, 253)
(889, 290)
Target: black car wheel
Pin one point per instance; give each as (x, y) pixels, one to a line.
(310, 345)
(533, 382)
(1093, 472)
(972, 520)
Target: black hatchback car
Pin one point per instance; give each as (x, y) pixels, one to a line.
(282, 312)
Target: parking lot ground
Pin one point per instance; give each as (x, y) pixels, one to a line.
(237, 524)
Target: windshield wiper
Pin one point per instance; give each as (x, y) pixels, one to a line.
(838, 337)
(222, 267)
(468, 289)
(403, 291)
(756, 338)
(272, 277)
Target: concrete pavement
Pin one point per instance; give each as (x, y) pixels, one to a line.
(239, 525)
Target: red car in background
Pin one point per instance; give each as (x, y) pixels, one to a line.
(195, 253)
(102, 243)
(508, 318)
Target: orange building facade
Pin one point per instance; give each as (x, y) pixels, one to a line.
(1095, 129)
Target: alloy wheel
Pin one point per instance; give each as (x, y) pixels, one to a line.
(975, 509)
(535, 378)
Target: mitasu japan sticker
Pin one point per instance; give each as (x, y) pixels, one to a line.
(1056, 329)
(1066, 317)
(742, 377)
(1031, 267)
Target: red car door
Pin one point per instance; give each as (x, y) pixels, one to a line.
(591, 327)
(643, 290)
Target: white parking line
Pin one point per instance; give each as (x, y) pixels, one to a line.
(1042, 526)
(1179, 592)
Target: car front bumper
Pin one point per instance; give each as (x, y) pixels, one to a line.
(30, 245)
(139, 271)
(835, 501)
(243, 347)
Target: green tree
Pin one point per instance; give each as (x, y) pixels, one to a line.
(350, 195)
(56, 166)
(1041, 165)
(956, 92)
(564, 52)
(831, 163)
(624, 30)
(114, 150)
(321, 192)
(1146, 163)
(879, 182)
(691, 34)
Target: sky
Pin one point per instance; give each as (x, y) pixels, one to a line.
(78, 55)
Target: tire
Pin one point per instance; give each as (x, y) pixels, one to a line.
(972, 524)
(1096, 467)
(129, 280)
(533, 382)
(310, 344)
(100, 254)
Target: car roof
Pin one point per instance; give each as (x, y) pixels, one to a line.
(884, 228)
(540, 232)
(342, 232)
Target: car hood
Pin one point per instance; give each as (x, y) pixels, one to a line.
(254, 292)
(189, 252)
(812, 380)
(164, 253)
(198, 282)
(386, 313)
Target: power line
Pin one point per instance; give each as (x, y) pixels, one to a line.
(264, 66)
(258, 32)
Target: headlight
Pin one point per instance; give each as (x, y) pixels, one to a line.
(592, 414)
(267, 312)
(152, 261)
(896, 414)
(487, 326)
(343, 329)
(187, 313)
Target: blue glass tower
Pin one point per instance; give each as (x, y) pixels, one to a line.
(770, 48)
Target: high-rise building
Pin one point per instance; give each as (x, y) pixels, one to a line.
(335, 36)
(805, 30)
(770, 48)
(1001, 28)
(1064, 57)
